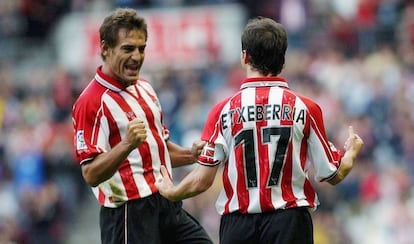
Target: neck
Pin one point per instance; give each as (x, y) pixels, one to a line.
(107, 71)
(250, 72)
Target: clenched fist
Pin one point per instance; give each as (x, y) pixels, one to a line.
(136, 133)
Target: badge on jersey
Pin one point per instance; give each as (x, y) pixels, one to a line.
(80, 140)
(211, 154)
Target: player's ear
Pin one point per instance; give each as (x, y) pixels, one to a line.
(104, 48)
(245, 57)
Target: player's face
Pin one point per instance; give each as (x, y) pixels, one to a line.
(124, 61)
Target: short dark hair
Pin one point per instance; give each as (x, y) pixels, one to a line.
(121, 18)
(265, 42)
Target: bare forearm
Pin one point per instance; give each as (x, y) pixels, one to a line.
(190, 186)
(183, 158)
(180, 156)
(105, 165)
(196, 182)
(353, 146)
(347, 163)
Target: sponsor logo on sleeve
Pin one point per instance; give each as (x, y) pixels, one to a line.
(80, 140)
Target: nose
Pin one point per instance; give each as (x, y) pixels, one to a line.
(137, 54)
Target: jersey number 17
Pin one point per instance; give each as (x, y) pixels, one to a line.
(246, 138)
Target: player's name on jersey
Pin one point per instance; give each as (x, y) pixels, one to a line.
(262, 112)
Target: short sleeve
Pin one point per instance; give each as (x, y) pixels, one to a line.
(214, 152)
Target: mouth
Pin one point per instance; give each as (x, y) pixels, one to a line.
(131, 69)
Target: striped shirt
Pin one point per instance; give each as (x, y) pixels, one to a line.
(265, 138)
(100, 118)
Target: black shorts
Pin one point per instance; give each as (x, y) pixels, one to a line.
(153, 219)
(290, 226)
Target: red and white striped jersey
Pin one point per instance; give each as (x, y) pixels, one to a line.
(265, 137)
(100, 117)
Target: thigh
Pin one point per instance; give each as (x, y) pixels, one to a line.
(135, 222)
(291, 226)
(142, 221)
(111, 223)
(238, 229)
(178, 226)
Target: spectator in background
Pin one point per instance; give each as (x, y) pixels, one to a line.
(121, 143)
(264, 137)
(41, 15)
(20, 60)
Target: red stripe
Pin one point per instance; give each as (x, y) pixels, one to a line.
(304, 142)
(242, 192)
(310, 193)
(101, 197)
(124, 169)
(145, 150)
(262, 97)
(227, 188)
(286, 183)
(288, 99)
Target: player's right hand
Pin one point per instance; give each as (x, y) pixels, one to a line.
(136, 133)
(164, 184)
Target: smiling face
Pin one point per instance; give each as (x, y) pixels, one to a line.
(123, 61)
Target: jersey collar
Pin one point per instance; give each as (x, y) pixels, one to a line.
(108, 81)
(264, 81)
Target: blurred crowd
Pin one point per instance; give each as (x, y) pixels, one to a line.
(355, 57)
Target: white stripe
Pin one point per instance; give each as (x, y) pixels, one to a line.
(106, 84)
(275, 97)
(264, 83)
(126, 223)
(103, 135)
(298, 174)
(95, 127)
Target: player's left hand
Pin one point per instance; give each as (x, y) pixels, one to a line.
(354, 143)
(164, 184)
